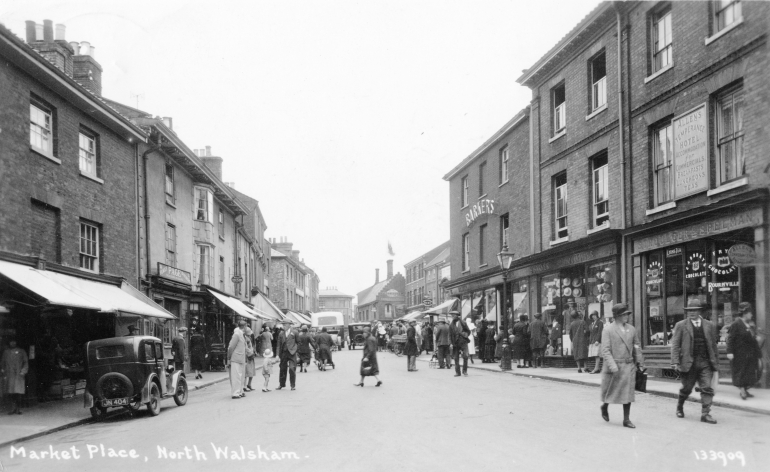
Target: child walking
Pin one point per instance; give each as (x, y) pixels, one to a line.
(267, 367)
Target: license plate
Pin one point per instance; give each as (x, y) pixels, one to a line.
(115, 402)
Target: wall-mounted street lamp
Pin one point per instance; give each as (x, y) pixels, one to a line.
(505, 259)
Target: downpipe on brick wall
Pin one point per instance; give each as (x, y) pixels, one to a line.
(145, 157)
(623, 274)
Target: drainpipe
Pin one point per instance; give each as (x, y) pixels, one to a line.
(623, 282)
(138, 219)
(145, 157)
(532, 246)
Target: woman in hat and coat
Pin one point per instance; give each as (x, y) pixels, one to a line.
(538, 339)
(198, 352)
(410, 349)
(595, 341)
(622, 352)
(579, 335)
(521, 340)
(490, 342)
(743, 351)
(369, 366)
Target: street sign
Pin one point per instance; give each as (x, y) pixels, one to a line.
(427, 302)
(237, 279)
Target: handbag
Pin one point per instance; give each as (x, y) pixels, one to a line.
(640, 384)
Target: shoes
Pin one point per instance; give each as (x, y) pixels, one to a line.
(605, 414)
(707, 419)
(293, 388)
(243, 395)
(749, 394)
(457, 375)
(278, 388)
(237, 397)
(580, 371)
(414, 370)
(265, 390)
(377, 385)
(679, 413)
(442, 367)
(595, 372)
(628, 424)
(465, 374)
(743, 395)
(359, 384)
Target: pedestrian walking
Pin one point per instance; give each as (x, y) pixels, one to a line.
(481, 334)
(538, 339)
(236, 360)
(521, 341)
(304, 348)
(579, 336)
(325, 342)
(14, 366)
(179, 348)
(266, 342)
(694, 355)
(369, 366)
(595, 341)
(381, 335)
(622, 352)
(410, 349)
(428, 338)
(267, 367)
(442, 342)
(471, 339)
(287, 348)
(198, 353)
(743, 351)
(249, 368)
(490, 342)
(459, 333)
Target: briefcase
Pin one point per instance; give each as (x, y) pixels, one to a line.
(641, 381)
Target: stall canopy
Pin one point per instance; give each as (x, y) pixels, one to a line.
(292, 316)
(444, 308)
(303, 318)
(75, 292)
(266, 309)
(237, 306)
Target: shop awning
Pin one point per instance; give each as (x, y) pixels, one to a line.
(414, 315)
(444, 308)
(75, 292)
(303, 318)
(265, 308)
(293, 317)
(236, 305)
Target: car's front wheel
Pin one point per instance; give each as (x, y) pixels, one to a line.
(153, 406)
(180, 396)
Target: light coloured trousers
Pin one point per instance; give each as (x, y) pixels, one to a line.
(237, 374)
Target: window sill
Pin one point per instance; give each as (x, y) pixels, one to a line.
(596, 112)
(483, 265)
(466, 271)
(482, 196)
(557, 136)
(728, 186)
(660, 208)
(726, 30)
(170, 204)
(92, 177)
(464, 207)
(502, 184)
(598, 228)
(89, 271)
(47, 156)
(556, 242)
(660, 72)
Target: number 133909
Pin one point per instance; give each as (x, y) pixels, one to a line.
(723, 457)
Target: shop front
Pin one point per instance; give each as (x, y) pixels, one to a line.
(717, 259)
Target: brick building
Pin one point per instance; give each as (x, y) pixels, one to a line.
(293, 286)
(418, 290)
(438, 273)
(385, 300)
(69, 245)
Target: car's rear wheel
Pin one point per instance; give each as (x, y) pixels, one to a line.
(114, 385)
(153, 406)
(180, 396)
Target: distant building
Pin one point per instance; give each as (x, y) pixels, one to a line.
(419, 295)
(384, 300)
(290, 277)
(332, 299)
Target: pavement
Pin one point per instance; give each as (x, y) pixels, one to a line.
(41, 419)
(726, 395)
(46, 418)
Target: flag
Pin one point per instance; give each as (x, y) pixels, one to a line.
(390, 249)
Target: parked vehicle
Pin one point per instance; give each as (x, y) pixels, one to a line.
(129, 372)
(356, 335)
(334, 323)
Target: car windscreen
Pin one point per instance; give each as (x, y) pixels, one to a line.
(108, 352)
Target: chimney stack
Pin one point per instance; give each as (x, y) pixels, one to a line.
(56, 51)
(212, 162)
(376, 276)
(86, 71)
(390, 268)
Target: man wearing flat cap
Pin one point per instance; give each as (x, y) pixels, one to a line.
(459, 333)
(179, 348)
(694, 356)
(443, 341)
(410, 349)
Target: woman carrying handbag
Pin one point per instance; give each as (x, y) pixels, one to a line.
(369, 366)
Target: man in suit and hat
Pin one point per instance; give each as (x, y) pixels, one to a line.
(178, 348)
(459, 333)
(443, 341)
(694, 355)
(287, 352)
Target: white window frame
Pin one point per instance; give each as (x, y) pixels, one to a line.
(559, 110)
(732, 140)
(662, 40)
(561, 212)
(89, 247)
(599, 85)
(171, 245)
(87, 154)
(465, 190)
(731, 9)
(601, 190)
(504, 165)
(41, 129)
(204, 207)
(466, 252)
(203, 260)
(170, 181)
(662, 163)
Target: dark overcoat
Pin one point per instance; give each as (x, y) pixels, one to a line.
(578, 334)
(596, 332)
(410, 349)
(538, 334)
(198, 351)
(742, 344)
(621, 350)
(520, 340)
(370, 357)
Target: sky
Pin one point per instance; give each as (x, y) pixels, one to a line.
(340, 117)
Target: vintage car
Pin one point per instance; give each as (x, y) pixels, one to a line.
(334, 322)
(356, 334)
(129, 372)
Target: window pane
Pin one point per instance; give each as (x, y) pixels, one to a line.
(727, 117)
(728, 167)
(738, 110)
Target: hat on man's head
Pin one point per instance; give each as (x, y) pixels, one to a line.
(694, 304)
(744, 307)
(268, 353)
(620, 309)
(412, 321)
(182, 329)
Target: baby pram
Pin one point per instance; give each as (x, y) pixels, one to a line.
(217, 357)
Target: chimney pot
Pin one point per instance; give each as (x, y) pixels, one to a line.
(38, 32)
(376, 276)
(75, 47)
(168, 121)
(48, 31)
(85, 48)
(31, 31)
(208, 150)
(60, 32)
(390, 268)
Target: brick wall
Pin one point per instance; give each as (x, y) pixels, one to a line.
(45, 236)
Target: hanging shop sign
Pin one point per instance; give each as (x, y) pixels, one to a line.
(690, 152)
(742, 254)
(482, 207)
